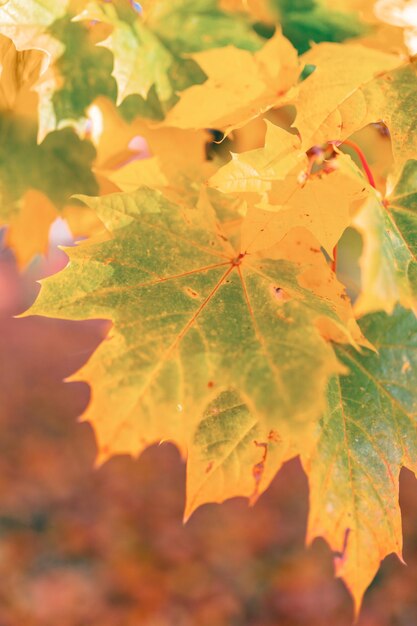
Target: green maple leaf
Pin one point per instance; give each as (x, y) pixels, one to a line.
(389, 259)
(83, 72)
(84, 68)
(193, 320)
(307, 21)
(368, 432)
(58, 166)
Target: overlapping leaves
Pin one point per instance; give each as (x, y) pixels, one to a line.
(232, 335)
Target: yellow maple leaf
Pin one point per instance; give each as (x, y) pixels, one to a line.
(320, 97)
(255, 170)
(240, 86)
(131, 155)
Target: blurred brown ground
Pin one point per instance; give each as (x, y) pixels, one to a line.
(107, 547)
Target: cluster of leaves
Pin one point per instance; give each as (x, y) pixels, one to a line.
(233, 335)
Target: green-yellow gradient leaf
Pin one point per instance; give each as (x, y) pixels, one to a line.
(193, 318)
(392, 99)
(367, 433)
(389, 257)
(321, 101)
(231, 454)
(140, 58)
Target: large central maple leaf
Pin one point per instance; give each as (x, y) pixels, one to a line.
(194, 318)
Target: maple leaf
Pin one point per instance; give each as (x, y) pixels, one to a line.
(330, 110)
(192, 320)
(210, 27)
(307, 21)
(323, 206)
(392, 99)
(148, 49)
(56, 168)
(79, 72)
(240, 86)
(131, 155)
(34, 178)
(253, 171)
(389, 258)
(367, 433)
(60, 164)
(222, 448)
(229, 324)
(25, 22)
(76, 71)
(288, 196)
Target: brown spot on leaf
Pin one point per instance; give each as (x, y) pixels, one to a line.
(274, 436)
(279, 294)
(190, 292)
(258, 470)
(238, 260)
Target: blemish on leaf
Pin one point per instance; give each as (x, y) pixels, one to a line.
(406, 367)
(274, 436)
(209, 467)
(279, 294)
(257, 471)
(238, 260)
(190, 292)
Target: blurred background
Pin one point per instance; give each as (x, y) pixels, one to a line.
(81, 546)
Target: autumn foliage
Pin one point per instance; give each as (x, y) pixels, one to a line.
(240, 179)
